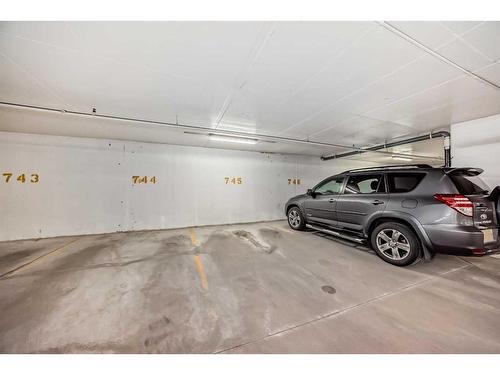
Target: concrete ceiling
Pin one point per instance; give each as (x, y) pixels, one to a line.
(347, 83)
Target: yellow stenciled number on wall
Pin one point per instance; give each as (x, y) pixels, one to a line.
(233, 180)
(143, 180)
(21, 178)
(7, 176)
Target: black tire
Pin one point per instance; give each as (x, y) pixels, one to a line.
(295, 219)
(402, 246)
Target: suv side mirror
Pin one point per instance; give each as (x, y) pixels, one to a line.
(311, 193)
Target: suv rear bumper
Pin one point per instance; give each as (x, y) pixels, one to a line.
(460, 240)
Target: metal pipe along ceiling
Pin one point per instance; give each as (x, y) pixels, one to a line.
(440, 134)
(190, 129)
(193, 129)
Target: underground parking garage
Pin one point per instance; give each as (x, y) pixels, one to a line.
(249, 187)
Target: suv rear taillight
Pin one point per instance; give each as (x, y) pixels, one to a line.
(457, 202)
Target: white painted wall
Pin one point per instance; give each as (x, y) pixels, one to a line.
(476, 143)
(86, 185)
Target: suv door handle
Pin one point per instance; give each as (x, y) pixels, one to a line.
(377, 201)
(331, 200)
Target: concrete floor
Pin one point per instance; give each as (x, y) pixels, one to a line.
(255, 288)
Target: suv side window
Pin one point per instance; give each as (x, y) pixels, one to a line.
(330, 187)
(403, 182)
(365, 184)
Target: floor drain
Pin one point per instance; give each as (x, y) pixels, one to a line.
(328, 289)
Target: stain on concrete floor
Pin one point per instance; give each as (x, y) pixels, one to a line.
(328, 289)
(259, 244)
(269, 292)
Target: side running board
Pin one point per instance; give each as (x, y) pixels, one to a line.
(336, 234)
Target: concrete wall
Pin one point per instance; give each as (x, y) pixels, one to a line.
(85, 185)
(476, 143)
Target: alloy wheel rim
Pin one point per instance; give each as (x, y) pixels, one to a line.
(294, 218)
(393, 244)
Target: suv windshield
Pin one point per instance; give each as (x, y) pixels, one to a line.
(469, 185)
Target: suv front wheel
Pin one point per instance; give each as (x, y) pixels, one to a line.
(295, 219)
(395, 243)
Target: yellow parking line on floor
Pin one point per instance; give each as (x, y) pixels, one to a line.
(26, 265)
(197, 260)
(201, 271)
(192, 233)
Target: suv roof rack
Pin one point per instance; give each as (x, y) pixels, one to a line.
(423, 166)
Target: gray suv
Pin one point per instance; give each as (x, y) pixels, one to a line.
(404, 212)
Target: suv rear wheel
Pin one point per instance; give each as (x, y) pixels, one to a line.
(395, 243)
(295, 219)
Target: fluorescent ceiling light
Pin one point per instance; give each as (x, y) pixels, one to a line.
(226, 138)
(405, 158)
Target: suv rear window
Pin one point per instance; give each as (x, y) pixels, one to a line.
(403, 182)
(469, 185)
